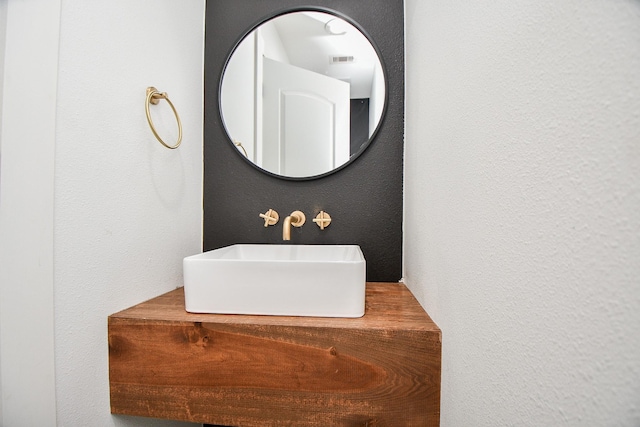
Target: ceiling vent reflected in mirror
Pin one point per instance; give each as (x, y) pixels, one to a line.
(342, 59)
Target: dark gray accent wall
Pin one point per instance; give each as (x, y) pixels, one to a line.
(364, 199)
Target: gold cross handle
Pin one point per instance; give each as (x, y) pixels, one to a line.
(322, 219)
(270, 217)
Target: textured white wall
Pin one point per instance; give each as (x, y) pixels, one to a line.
(522, 206)
(127, 210)
(96, 215)
(28, 114)
(3, 35)
(3, 45)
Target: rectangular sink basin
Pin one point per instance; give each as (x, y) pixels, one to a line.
(286, 280)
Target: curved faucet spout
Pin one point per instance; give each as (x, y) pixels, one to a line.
(296, 219)
(286, 228)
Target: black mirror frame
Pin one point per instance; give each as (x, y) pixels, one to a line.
(364, 146)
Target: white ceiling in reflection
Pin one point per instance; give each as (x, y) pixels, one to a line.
(310, 45)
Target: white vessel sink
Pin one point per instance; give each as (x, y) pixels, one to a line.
(287, 280)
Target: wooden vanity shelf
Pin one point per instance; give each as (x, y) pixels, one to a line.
(379, 370)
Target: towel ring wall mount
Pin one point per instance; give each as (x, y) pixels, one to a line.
(154, 97)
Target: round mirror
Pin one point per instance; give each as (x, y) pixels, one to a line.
(302, 94)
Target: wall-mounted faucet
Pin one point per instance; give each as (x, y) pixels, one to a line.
(296, 219)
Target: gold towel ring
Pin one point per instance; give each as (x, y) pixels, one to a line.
(239, 145)
(154, 97)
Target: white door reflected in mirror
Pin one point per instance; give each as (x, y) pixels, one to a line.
(300, 105)
(303, 93)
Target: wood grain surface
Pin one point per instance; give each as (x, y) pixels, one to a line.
(379, 370)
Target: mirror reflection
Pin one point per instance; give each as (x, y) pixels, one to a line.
(302, 94)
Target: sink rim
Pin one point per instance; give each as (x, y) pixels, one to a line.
(226, 253)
